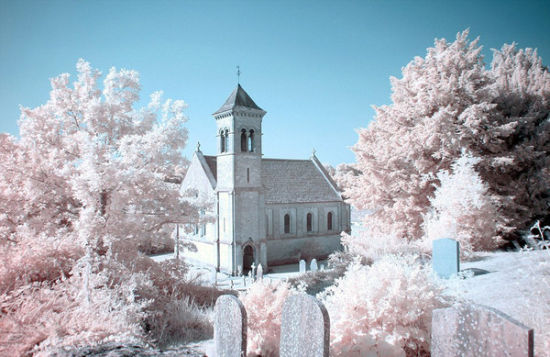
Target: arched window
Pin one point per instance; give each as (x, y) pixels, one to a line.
(251, 141)
(222, 141)
(243, 140)
(224, 136)
(287, 223)
(329, 221)
(309, 222)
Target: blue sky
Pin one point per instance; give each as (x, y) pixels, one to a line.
(316, 67)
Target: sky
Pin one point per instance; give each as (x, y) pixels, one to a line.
(316, 67)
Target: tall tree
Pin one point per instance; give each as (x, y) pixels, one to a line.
(91, 166)
(90, 178)
(444, 103)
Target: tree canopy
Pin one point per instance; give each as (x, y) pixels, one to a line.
(444, 103)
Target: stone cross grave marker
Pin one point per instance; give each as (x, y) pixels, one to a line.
(302, 266)
(259, 272)
(313, 265)
(477, 330)
(305, 327)
(230, 327)
(445, 257)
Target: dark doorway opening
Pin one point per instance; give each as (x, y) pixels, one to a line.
(248, 258)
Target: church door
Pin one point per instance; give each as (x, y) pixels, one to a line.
(248, 258)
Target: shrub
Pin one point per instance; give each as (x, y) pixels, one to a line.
(462, 209)
(384, 309)
(264, 305)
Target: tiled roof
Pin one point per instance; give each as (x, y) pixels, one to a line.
(294, 181)
(238, 98)
(212, 164)
(291, 181)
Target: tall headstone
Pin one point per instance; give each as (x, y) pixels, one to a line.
(302, 266)
(313, 265)
(305, 327)
(477, 330)
(259, 272)
(230, 327)
(445, 257)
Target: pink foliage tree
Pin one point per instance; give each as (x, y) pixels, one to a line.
(462, 208)
(446, 102)
(86, 182)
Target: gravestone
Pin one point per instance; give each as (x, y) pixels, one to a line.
(302, 266)
(305, 327)
(259, 272)
(445, 257)
(313, 265)
(477, 330)
(230, 327)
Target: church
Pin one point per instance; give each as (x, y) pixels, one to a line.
(268, 211)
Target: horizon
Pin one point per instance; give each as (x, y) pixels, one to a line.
(316, 68)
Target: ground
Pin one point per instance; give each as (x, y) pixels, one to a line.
(516, 283)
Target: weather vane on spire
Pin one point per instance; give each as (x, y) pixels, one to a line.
(238, 75)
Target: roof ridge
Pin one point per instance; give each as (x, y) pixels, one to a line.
(276, 159)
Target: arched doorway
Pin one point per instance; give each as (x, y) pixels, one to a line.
(248, 258)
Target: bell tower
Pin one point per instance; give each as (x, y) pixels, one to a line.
(239, 183)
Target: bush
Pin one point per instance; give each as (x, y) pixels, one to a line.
(264, 305)
(384, 309)
(462, 209)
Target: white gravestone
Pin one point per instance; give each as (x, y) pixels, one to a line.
(230, 327)
(259, 272)
(313, 265)
(477, 330)
(305, 327)
(302, 266)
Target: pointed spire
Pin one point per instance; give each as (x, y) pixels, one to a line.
(238, 98)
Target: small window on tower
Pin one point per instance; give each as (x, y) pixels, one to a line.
(329, 221)
(309, 222)
(251, 141)
(248, 175)
(223, 142)
(243, 140)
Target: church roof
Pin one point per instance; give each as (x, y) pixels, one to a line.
(211, 161)
(292, 181)
(295, 181)
(238, 98)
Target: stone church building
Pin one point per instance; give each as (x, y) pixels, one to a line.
(268, 211)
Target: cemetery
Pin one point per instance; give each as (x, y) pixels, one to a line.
(385, 193)
(464, 329)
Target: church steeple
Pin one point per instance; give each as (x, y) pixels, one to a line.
(239, 132)
(238, 99)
